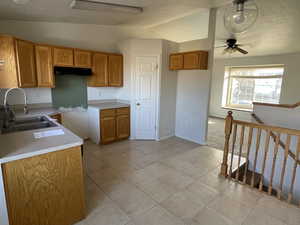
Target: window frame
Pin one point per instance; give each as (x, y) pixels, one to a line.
(228, 92)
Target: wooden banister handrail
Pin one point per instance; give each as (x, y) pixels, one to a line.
(289, 106)
(291, 154)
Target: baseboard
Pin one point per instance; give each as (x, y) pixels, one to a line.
(165, 137)
(190, 139)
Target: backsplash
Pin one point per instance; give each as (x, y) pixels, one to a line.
(70, 91)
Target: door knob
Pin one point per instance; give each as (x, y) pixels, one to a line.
(138, 104)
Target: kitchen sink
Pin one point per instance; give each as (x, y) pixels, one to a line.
(31, 123)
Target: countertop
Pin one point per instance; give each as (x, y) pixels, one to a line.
(108, 105)
(37, 112)
(23, 144)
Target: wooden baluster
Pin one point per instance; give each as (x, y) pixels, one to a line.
(247, 155)
(258, 136)
(290, 196)
(232, 150)
(240, 153)
(228, 129)
(276, 148)
(267, 145)
(286, 153)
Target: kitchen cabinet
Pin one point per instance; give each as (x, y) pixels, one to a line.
(115, 70)
(82, 59)
(45, 189)
(176, 62)
(57, 117)
(17, 63)
(44, 66)
(8, 62)
(99, 77)
(26, 64)
(114, 124)
(196, 60)
(63, 56)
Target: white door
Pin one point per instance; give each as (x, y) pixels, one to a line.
(146, 97)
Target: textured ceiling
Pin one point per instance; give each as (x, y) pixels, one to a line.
(276, 31)
(156, 12)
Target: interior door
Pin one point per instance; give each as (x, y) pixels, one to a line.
(146, 97)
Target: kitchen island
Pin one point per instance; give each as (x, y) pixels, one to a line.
(41, 177)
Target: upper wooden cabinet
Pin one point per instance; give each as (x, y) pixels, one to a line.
(44, 66)
(8, 69)
(99, 77)
(176, 62)
(115, 70)
(196, 60)
(82, 58)
(63, 56)
(26, 63)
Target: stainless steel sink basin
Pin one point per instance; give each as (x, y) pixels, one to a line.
(31, 123)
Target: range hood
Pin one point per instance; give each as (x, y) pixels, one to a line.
(58, 70)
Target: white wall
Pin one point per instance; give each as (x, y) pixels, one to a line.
(193, 92)
(168, 93)
(290, 88)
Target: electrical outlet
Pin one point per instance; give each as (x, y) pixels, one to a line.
(99, 93)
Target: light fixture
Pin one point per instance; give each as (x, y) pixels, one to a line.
(104, 6)
(21, 2)
(240, 16)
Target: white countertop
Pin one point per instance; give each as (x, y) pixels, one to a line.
(108, 105)
(23, 144)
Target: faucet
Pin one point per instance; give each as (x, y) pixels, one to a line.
(11, 113)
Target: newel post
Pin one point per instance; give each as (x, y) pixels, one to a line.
(228, 130)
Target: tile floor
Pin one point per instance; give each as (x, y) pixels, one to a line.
(172, 182)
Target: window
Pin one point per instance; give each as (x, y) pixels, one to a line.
(245, 85)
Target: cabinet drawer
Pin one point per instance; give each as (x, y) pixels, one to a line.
(123, 111)
(107, 113)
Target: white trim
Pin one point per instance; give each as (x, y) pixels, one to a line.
(165, 137)
(192, 140)
(3, 208)
(133, 94)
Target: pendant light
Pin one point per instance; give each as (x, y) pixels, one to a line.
(240, 16)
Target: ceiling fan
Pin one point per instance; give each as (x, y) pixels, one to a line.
(232, 46)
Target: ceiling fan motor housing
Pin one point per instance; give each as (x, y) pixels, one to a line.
(231, 42)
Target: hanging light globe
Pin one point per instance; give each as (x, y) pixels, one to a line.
(240, 16)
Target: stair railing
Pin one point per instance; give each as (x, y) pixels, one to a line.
(264, 156)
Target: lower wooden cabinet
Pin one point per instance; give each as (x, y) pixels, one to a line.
(114, 124)
(45, 190)
(57, 117)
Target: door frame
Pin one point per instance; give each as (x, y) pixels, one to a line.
(134, 94)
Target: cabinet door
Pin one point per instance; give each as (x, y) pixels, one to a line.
(45, 190)
(176, 62)
(99, 69)
(108, 129)
(8, 70)
(63, 56)
(191, 61)
(115, 70)
(203, 58)
(44, 66)
(123, 126)
(82, 58)
(57, 117)
(26, 64)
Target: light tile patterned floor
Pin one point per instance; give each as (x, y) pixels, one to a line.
(172, 182)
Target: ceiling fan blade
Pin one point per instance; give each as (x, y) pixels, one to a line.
(241, 50)
(221, 46)
(225, 51)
